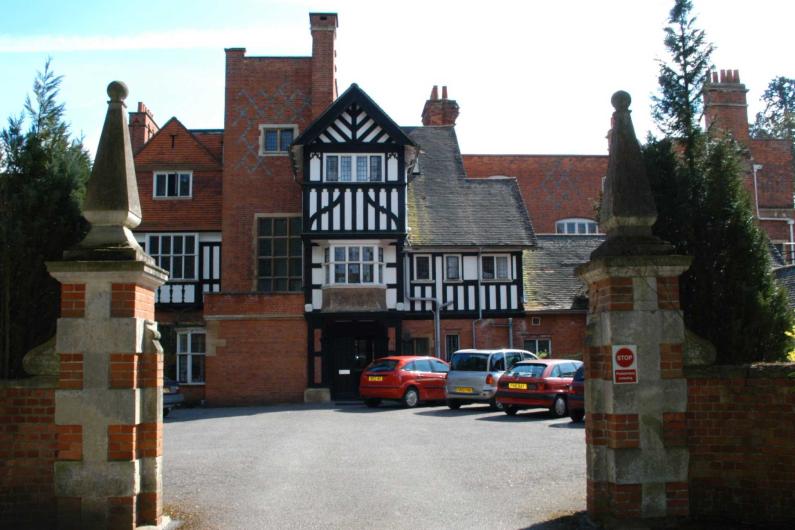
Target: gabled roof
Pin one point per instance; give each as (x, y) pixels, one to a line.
(353, 118)
(447, 209)
(549, 280)
(195, 152)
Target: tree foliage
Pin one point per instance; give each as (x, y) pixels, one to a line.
(728, 295)
(43, 171)
(777, 120)
(678, 107)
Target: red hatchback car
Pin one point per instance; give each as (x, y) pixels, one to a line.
(409, 379)
(539, 383)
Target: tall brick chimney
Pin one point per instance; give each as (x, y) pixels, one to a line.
(142, 127)
(439, 111)
(725, 104)
(324, 56)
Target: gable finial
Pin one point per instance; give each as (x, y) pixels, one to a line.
(112, 205)
(628, 210)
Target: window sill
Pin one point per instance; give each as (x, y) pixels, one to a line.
(191, 384)
(506, 280)
(424, 282)
(167, 198)
(274, 153)
(353, 285)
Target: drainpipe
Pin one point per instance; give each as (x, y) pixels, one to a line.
(790, 254)
(437, 309)
(510, 332)
(480, 306)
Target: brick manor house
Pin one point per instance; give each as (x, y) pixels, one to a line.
(312, 234)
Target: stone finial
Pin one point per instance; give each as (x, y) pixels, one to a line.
(112, 205)
(628, 210)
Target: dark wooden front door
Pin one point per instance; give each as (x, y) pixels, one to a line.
(352, 348)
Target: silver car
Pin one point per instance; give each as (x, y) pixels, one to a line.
(474, 374)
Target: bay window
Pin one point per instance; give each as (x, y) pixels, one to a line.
(354, 168)
(354, 264)
(176, 253)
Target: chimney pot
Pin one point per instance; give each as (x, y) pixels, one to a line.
(444, 92)
(435, 93)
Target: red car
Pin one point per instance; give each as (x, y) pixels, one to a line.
(577, 395)
(539, 383)
(409, 379)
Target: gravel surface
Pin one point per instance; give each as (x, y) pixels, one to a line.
(349, 467)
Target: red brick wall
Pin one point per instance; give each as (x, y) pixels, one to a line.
(174, 147)
(774, 180)
(741, 435)
(553, 187)
(565, 330)
(260, 349)
(28, 448)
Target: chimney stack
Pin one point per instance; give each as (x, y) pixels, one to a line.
(324, 56)
(142, 127)
(439, 111)
(725, 103)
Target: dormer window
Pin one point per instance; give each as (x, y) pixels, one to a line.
(275, 139)
(353, 168)
(173, 184)
(576, 226)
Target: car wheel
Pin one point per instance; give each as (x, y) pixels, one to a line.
(576, 415)
(496, 405)
(559, 408)
(510, 411)
(411, 398)
(372, 403)
(454, 405)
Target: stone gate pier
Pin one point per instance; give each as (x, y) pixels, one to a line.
(108, 402)
(636, 394)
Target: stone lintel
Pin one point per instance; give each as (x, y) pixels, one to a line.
(138, 272)
(633, 266)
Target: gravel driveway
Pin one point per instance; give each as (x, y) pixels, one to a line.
(348, 466)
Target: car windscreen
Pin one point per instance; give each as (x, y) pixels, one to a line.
(529, 370)
(470, 362)
(387, 365)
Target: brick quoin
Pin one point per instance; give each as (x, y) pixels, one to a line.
(28, 449)
(123, 369)
(150, 508)
(70, 376)
(150, 370)
(599, 363)
(596, 428)
(674, 429)
(121, 512)
(623, 431)
(70, 442)
(149, 440)
(671, 361)
(677, 497)
(622, 501)
(73, 300)
(130, 300)
(611, 294)
(121, 442)
(668, 292)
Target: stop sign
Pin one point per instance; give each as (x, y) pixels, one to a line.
(625, 357)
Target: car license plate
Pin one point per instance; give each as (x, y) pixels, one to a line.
(375, 378)
(518, 386)
(464, 389)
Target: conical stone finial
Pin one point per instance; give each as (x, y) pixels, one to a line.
(628, 210)
(111, 204)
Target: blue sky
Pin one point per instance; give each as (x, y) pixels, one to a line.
(530, 76)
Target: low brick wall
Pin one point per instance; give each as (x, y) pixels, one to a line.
(28, 448)
(741, 435)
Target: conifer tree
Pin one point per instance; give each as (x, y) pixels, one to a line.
(43, 171)
(728, 295)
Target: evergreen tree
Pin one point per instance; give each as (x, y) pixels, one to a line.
(778, 118)
(43, 172)
(728, 295)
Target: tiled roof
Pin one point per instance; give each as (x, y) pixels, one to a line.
(549, 280)
(448, 209)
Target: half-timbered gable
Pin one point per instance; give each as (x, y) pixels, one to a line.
(352, 164)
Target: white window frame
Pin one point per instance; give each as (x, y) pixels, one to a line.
(429, 257)
(187, 356)
(496, 278)
(177, 174)
(282, 150)
(588, 224)
(537, 340)
(457, 257)
(159, 254)
(330, 262)
(355, 178)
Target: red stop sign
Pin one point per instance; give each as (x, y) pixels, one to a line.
(625, 357)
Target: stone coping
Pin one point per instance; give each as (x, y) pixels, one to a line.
(750, 371)
(39, 381)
